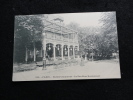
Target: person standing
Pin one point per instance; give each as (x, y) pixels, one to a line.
(82, 61)
(44, 63)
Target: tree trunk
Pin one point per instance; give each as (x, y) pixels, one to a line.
(26, 56)
(34, 52)
(41, 52)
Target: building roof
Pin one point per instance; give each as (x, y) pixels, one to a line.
(58, 28)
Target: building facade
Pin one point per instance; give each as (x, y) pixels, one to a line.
(59, 42)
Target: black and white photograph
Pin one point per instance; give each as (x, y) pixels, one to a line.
(66, 46)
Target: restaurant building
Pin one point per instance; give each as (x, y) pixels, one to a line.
(59, 42)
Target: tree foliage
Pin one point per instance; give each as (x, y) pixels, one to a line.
(102, 40)
(109, 30)
(27, 33)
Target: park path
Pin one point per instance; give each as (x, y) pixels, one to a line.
(91, 70)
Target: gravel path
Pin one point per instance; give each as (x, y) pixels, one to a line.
(91, 70)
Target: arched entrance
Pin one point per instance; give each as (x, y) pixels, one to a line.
(71, 51)
(58, 50)
(49, 50)
(65, 50)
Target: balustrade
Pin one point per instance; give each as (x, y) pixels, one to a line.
(54, 36)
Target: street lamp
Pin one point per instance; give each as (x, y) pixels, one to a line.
(44, 58)
(44, 46)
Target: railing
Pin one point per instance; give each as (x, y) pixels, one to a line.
(49, 36)
(65, 39)
(58, 37)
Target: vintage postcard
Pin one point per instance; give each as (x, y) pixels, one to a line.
(67, 46)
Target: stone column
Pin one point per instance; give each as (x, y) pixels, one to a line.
(73, 52)
(62, 52)
(54, 56)
(68, 52)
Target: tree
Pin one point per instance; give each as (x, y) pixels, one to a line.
(86, 36)
(104, 38)
(109, 41)
(27, 32)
